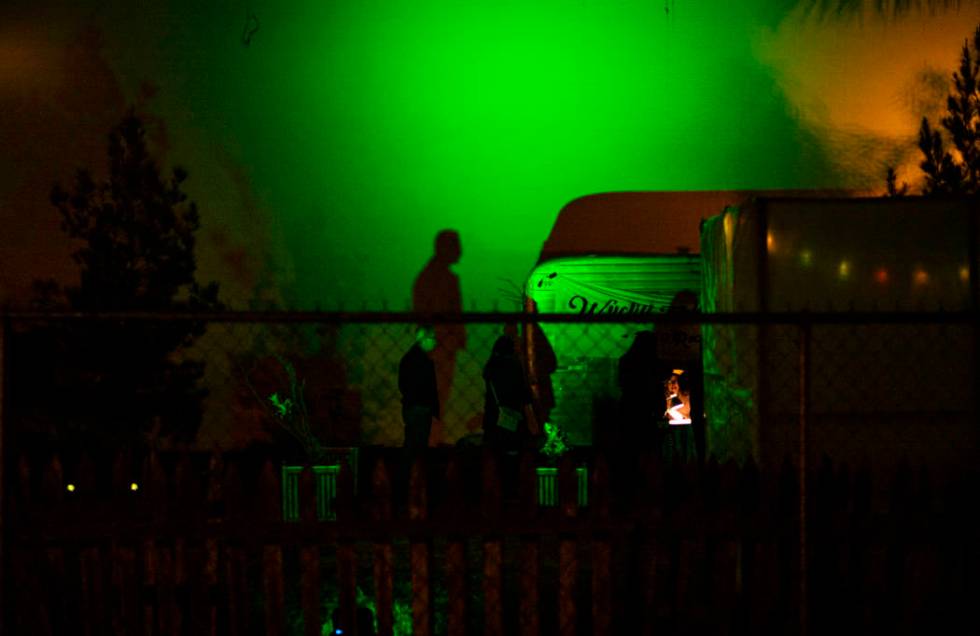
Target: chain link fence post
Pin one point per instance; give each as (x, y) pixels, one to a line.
(973, 269)
(804, 362)
(4, 335)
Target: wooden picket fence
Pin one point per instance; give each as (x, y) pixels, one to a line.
(194, 547)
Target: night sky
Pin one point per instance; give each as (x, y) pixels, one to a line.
(328, 142)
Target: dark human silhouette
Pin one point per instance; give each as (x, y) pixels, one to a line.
(682, 351)
(506, 387)
(417, 383)
(513, 331)
(677, 415)
(640, 385)
(437, 291)
(541, 364)
(640, 432)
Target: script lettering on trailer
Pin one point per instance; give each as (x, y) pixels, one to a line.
(582, 305)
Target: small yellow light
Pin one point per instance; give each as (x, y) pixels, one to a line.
(965, 274)
(70, 487)
(806, 258)
(844, 270)
(134, 486)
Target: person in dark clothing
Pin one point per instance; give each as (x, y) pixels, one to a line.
(437, 291)
(640, 384)
(677, 443)
(541, 364)
(506, 387)
(640, 432)
(420, 397)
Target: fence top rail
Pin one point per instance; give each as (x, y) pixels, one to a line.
(843, 317)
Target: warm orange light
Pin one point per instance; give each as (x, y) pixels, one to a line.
(881, 275)
(921, 277)
(965, 274)
(770, 242)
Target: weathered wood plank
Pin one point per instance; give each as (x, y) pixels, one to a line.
(420, 552)
(601, 551)
(528, 604)
(309, 556)
(346, 555)
(310, 590)
(567, 549)
(383, 551)
(273, 586)
(455, 553)
(492, 548)
(235, 576)
(92, 591)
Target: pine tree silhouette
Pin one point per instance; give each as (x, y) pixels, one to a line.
(112, 382)
(956, 170)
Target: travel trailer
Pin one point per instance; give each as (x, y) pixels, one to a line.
(579, 359)
(876, 390)
(629, 253)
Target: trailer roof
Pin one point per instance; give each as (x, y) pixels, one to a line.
(645, 223)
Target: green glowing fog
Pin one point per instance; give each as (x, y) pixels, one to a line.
(331, 149)
(369, 126)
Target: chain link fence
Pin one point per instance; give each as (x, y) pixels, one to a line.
(865, 386)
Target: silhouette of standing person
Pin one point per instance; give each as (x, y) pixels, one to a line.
(506, 387)
(417, 384)
(681, 348)
(541, 364)
(436, 291)
(640, 434)
(639, 383)
(677, 414)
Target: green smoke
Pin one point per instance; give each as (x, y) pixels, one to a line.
(368, 126)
